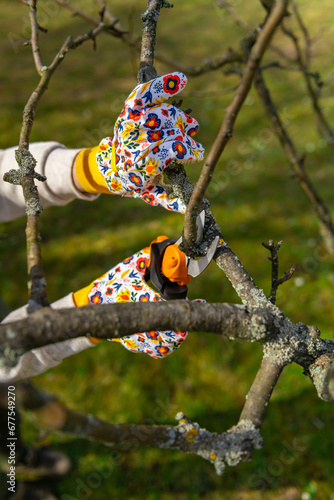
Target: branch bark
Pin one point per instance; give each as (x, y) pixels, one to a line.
(224, 449)
(258, 397)
(104, 321)
(226, 130)
(323, 125)
(283, 342)
(298, 164)
(26, 175)
(150, 18)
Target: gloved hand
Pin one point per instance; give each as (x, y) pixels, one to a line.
(125, 282)
(148, 134)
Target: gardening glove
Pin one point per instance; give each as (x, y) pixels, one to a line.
(125, 283)
(148, 134)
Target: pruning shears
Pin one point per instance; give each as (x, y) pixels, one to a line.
(167, 288)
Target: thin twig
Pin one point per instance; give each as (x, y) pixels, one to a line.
(297, 163)
(25, 175)
(234, 14)
(208, 64)
(276, 64)
(34, 36)
(112, 27)
(225, 132)
(224, 257)
(275, 281)
(304, 31)
(323, 125)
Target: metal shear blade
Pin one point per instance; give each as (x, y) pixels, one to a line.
(196, 267)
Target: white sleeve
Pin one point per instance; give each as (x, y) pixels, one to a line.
(41, 359)
(55, 162)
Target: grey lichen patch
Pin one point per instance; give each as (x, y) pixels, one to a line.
(281, 348)
(13, 177)
(9, 357)
(172, 434)
(239, 288)
(10, 334)
(258, 328)
(295, 342)
(229, 448)
(33, 206)
(259, 297)
(181, 185)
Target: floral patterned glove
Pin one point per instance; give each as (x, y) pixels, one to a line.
(148, 134)
(125, 282)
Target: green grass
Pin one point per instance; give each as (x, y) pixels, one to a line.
(254, 199)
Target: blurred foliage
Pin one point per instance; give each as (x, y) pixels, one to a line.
(254, 198)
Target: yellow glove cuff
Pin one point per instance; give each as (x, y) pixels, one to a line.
(89, 177)
(81, 299)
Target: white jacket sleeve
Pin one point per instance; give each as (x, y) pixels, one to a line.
(41, 359)
(55, 162)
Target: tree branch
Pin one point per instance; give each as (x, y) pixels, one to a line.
(275, 281)
(297, 163)
(258, 397)
(34, 36)
(25, 175)
(224, 449)
(150, 18)
(104, 321)
(323, 125)
(283, 342)
(225, 132)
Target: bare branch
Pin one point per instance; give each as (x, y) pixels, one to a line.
(150, 18)
(208, 64)
(234, 14)
(34, 36)
(323, 125)
(25, 175)
(303, 28)
(283, 342)
(258, 397)
(116, 320)
(297, 163)
(225, 132)
(113, 27)
(224, 449)
(275, 281)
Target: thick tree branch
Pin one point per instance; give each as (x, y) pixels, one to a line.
(283, 341)
(116, 320)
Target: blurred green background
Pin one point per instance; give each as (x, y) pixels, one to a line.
(254, 199)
